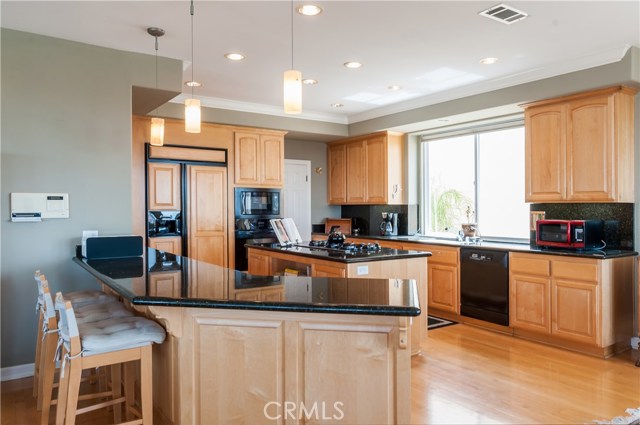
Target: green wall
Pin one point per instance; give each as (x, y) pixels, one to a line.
(66, 127)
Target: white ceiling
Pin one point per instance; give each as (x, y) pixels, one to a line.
(430, 48)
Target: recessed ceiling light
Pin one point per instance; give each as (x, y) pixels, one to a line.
(488, 61)
(309, 81)
(394, 87)
(309, 10)
(353, 65)
(337, 105)
(234, 56)
(192, 84)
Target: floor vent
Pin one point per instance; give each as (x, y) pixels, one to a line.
(503, 13)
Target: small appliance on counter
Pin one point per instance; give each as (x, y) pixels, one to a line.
(389, 224)
(570, 234)
(336, 237)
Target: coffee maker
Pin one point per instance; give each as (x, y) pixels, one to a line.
(389, 224)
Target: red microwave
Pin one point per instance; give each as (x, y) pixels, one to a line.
(573, 234)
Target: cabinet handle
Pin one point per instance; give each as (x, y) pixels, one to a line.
(402, 338)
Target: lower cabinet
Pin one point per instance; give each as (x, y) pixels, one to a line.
(443, 276)
(581, 303)
(172, 244)
(259, 264)
(272, 293)
(323, 270)
(165, 284)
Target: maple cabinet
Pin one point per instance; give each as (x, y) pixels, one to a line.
(580, 148)
(580, 303)
(172, 244)
(259, 264)
(163, 192)
(165, 284)
(259, 159)
(366, 170)
(207, 200)
(443, 277)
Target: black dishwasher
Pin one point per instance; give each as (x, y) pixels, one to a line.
(484, 284)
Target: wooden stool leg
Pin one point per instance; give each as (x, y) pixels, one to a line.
(129, 389)
(146, 385)
(116, 390)
(63, 392)
(73, 390)
(36, 365)
(47, 373)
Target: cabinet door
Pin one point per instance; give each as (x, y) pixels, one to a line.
(165, 284)
(321, 270)
(272, 294)
(443, 287)
(530, 303)
(376, 155)
(356, 173)
(575, 311)
(545, 142)
(207, 225)
(247, 158)
(337, 174)
(258, 264)
(272, 157)
(171, 244)
(164, 186)
(590, 150)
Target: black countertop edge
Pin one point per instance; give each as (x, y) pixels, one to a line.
(345, 258)
(279, 306)
(505, 246)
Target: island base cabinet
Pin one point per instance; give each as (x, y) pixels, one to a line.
(251, 367)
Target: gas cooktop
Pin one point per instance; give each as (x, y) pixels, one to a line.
(345, 247)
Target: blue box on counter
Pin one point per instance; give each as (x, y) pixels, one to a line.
(113, 247)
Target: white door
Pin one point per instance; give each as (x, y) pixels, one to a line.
(297, 195)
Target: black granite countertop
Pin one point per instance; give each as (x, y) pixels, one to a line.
(203, 285)
(503, 246)
(303, 250)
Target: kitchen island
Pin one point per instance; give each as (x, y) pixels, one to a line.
(253, 349)
(363, 261)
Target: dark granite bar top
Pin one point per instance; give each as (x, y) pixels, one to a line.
(504, 246)
(342, 256)
(163, 279)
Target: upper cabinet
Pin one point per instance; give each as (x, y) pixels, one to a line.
(164, 186)
(366, 170)
(259, 159)
(580, 148)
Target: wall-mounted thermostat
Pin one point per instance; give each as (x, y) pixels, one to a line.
(36, 206)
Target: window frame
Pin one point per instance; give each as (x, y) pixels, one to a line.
(475, 129)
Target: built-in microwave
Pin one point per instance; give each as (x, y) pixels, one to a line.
(574, 234)
(257, 203)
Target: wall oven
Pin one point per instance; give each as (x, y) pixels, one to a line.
(253, 210)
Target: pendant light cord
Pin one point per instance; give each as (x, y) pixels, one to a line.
(292, 34)
(192, 11)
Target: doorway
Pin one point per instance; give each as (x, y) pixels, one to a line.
(297, 195)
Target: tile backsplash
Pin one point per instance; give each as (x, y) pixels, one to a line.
(368, 217)
(618, 219)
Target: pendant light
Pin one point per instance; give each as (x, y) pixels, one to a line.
(192, 106)
(157, 124)
(292, 83)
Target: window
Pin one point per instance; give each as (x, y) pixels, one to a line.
(475, 177)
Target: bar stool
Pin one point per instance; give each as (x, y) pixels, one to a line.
(102, 343)
(46, 344)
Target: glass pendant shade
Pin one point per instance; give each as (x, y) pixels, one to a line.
(292, 92)
(157, 132)
(192, 116)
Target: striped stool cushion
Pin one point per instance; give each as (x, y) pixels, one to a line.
(119, 334)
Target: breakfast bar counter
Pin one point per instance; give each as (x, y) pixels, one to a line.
(244, 348)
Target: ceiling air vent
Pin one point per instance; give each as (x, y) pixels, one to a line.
(505, 14)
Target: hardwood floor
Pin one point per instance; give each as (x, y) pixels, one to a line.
(469, 375)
